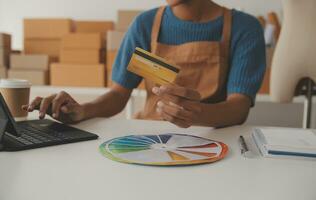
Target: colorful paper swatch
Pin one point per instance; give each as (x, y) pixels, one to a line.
(164, 150)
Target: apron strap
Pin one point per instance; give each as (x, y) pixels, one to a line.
(226, 35)
(156, 28)
(225, 50)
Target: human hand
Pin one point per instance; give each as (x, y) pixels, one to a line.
(179, 105)
(60, 106)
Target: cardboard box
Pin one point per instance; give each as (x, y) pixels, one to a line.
(15, 51)
(50, 47)
(22, 61)
(80, 56)
(110, 58)
(77, 75)
(265, 87)
(125, 18)
(93, 26)
(109, 78)
(5, 57)
(3, 72)
(111, 55)
(114, 40)
(36, 77)
(47, 28)
(82, 41)
(269, 56)
(5, 40)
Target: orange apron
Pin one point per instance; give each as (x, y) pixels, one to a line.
(203, 65)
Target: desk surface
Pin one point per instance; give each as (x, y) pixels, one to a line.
(78, 171)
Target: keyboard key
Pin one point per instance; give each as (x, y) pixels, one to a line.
(20, 139)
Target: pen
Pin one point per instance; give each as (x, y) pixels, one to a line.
(243, 147)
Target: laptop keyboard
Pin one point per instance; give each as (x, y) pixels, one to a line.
(35, 135)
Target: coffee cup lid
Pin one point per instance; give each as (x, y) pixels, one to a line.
(14, 83)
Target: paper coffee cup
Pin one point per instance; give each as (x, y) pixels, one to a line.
(16, 92)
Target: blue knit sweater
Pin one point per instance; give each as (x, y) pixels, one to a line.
(247, 58)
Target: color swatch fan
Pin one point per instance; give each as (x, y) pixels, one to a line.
(164, 150)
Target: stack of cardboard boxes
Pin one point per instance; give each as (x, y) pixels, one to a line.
(30, 67)
(43, 36)
(5, 50)
(115, 37)
(42, 41)
(82, 56)
(94, 26)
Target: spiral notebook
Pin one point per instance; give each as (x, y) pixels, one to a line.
(275, 142)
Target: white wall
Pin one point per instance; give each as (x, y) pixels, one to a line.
(12, 12)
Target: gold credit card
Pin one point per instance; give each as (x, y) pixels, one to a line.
(152, 67)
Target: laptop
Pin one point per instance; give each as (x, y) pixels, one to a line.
(16, 136)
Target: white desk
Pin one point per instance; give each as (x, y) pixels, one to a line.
(79, 172)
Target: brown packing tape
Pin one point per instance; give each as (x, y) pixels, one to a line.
(80, 56)
(125, 18)
(5, 40)
(37, 62)
(47, 28)
(83, 40)
(36, 77)
(50, 47)
(94, 26)
(78, 75)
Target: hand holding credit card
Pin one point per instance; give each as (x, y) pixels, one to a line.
(152, 67)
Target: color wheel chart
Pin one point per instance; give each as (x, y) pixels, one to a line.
(164, 149)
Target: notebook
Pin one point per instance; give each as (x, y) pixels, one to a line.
(275, 142)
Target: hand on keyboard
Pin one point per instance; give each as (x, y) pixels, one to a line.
(60, 106)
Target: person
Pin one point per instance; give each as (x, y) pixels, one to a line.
(221, 55)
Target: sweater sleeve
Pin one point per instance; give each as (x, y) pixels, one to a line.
(248, 59)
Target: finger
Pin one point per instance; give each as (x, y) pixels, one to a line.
(155, 90)
(45, 103)
(68, 108)
(180, 91)
(69, 113)
(172, 98)
(179, 122)
(57, 102)
(180, 102)
(34, 104)
(175, 111)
